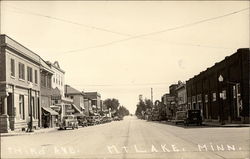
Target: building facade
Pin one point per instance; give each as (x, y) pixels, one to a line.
(49, 116)
(19, 86)
(181, 96)
(95, 98)
(58, 77)
(76, 96)
(222, 91)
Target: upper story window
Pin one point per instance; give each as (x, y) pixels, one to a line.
(214, 97)
(21, 71)
(36, 77)
(12, 67)
(29, 74)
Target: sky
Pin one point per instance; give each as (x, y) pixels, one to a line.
(124, 48)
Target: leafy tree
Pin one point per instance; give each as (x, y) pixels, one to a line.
(122, 111)
(143, 106)
(112, 103)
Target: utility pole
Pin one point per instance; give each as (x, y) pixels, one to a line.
(152, 96)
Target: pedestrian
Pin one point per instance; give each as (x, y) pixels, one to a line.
(28, 123)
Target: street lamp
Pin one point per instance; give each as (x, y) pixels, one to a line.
(221, 79)
(31, 109)
(236, 85)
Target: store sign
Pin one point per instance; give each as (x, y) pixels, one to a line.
(70, 111)
(56, 97)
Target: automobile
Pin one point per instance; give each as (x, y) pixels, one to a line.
(97, 119)
(116, 118)
(82, 121)
(91, 120)
(193, 117)
(120, 118)
(68, 121)
(180, 117)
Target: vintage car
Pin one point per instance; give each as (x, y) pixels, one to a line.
(68, 121)
(97, 119)
(91, 120)
(82, 121)
(180, 117)
(193, 117)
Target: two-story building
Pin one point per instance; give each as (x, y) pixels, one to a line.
(95, 98)
(19, 86)
(181, 96)
(49, 116)
(76, 96)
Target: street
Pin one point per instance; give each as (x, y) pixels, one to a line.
(132, 138)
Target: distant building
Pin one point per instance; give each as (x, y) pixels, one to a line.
(57, 77)
(95, 98)
(19, 86)
(181, 96)
(222, 91)
(169, 102)
(76, 96)
(48, 115)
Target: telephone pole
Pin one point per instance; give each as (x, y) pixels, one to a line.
(152, 96)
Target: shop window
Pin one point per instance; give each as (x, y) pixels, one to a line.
(21, 107)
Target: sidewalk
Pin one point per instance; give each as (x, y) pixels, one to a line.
(212, 124)
(216, 124)
(38, 131)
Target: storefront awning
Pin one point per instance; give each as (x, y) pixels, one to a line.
(76, 108)
(49, 110)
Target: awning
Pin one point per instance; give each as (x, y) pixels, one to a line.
(49, 110)
(76, 108)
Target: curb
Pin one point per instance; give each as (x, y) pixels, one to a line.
(26, 133)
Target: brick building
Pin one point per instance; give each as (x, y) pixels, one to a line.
(222, 91)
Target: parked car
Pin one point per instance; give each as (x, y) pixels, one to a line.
(68, 121)
(180, 117)
(97, 119)
(116, 118)
(82, 121)
(91, 120)
(193, 117)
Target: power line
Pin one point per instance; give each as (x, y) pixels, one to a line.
(136, 36)
(70, 22)
(161, 31)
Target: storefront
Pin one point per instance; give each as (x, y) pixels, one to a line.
(49, 117)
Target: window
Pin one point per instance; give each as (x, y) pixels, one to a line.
(206, 98)
(21, 71)
(36, 76)
(214, 97)
(43, 80)
(21, 107)
(29, 74)
(199, 98)
(224, 94)
(194, 99)
(48, 82)
(12, 67)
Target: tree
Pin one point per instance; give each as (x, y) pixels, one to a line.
(122, 111)
(143, 106)
(112, 103)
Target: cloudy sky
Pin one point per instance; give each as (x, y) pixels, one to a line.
(122, 49)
